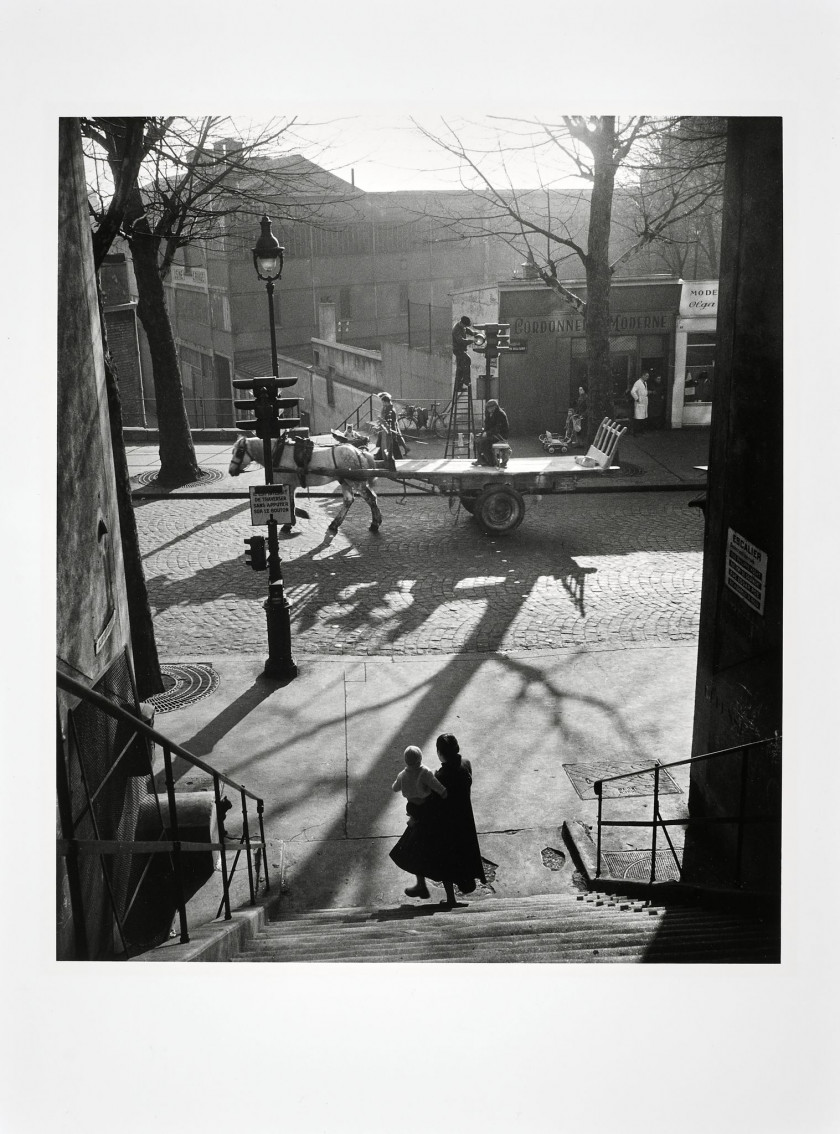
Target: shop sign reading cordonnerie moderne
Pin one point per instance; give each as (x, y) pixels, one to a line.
(624, 323)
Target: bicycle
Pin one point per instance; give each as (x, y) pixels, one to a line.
(432, 420)
(412, 417)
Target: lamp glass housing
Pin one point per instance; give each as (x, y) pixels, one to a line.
(268, 253)
(268, 267)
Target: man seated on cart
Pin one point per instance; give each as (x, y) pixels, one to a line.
(496, 429)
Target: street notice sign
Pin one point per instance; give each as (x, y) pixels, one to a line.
(268, 500)
(746, 570)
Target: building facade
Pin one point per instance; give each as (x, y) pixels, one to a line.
(657, 327)
(380, 271)
(367, 269)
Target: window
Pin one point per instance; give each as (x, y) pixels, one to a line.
(220, 310)
(192, 307)
(700, 367)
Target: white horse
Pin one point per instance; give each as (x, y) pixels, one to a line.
(298, 462)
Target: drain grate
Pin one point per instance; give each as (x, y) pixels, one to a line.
(205, 476)
(583, 776)
(185, 683)
(635, 865)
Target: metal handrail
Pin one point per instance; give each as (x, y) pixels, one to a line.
(173, 846)
(657, 821)
(356, 415)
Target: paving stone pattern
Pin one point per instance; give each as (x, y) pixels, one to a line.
(588, 571)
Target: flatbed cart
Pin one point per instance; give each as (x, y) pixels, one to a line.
(495, 496)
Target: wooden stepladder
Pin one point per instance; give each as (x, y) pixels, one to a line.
(460, 429)
(602, 450)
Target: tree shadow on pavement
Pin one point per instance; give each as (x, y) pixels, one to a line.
(216, 518)
(429, 713)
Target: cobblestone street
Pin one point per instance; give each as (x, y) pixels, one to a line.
(608, 571)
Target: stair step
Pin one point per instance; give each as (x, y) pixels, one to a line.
(493, 907)
(578, 931)
(558, 928)
(535, 940)
(484, 952)
(449, 921)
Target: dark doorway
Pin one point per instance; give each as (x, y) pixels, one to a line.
(657, 391)
(621, 379)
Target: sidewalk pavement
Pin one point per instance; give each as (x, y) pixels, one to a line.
(323, 752)
(324, 749)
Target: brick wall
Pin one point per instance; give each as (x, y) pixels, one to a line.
(123, 345)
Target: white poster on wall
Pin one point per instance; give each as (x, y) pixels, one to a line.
(746, 570)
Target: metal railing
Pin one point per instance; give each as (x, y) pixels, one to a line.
(364, 411)
(70, 847)
(202, 413)
(657, 821)
(435, 419)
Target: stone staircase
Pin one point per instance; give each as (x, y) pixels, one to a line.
(581, 928)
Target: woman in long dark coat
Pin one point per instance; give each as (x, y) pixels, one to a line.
(440, 841)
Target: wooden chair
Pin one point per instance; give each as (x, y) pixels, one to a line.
(602, 450)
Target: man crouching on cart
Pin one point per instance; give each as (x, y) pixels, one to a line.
(496, 429)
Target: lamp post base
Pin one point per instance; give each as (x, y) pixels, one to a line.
(283, 669)
(279, 664)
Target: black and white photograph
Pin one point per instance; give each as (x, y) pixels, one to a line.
(427, 499)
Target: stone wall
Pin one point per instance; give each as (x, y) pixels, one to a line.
(409, 374)
(92, 631)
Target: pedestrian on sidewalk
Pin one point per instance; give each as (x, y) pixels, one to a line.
(390, 443)
(575, 425)
(416, 782)
(442, 843)
(639, 394)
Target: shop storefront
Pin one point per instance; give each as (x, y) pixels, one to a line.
(695, 349)
(540, 377)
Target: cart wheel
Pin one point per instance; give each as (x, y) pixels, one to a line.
(564, 448)
(499, 509)
(552, 449)
(468, 503)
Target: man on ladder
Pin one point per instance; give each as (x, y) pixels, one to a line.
(462, 336)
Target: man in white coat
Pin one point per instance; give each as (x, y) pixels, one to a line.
(639, 394)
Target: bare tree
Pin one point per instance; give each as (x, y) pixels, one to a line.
(665, 169)
(192, 180)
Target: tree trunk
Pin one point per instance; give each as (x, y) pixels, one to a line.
(599, 277)
(143, 645)
(178, 464)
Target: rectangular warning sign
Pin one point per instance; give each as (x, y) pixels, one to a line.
(746, 570)
(274, 500)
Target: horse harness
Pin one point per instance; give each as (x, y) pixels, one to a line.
(302, 451)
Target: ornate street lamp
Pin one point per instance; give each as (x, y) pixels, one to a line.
(268, 263)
